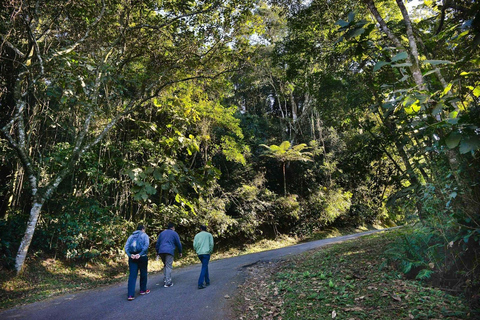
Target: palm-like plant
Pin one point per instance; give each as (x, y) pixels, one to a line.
(284, 153)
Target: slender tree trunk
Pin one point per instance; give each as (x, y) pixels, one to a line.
(284, 180)
(28, 236)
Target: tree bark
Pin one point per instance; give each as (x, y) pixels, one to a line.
(28, 236)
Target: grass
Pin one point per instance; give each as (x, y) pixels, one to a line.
(45, 277)
(349, 280)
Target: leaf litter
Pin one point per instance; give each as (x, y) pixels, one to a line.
(342, 281)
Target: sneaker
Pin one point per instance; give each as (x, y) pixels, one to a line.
(201, 287)
(168, 285)
(145, 292)
(207, 284)
(130, 298)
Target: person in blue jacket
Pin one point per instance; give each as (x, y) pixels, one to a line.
(167, 241)
(137, 249)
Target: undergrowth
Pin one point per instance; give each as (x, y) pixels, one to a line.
(350, 280)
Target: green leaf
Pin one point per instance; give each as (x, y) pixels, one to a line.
(447, 89)
(351, 16)
(379, 65)
(400, 56)
(436, 62)
(429, 72)
(453, 139)
(354, 33)
(469, 144)
(342, 23)
(400, 65)
(438, 109)
(476, 91)
(424, 274)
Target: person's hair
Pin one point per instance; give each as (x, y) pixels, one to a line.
(170, 225)
(203, 227)
(140, 227)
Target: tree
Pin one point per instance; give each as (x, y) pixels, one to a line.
(80, 67)
(285, 153)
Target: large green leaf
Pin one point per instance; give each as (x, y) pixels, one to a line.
(400, 56)
(453, 139)
(469, 144)
(436, 62)
(342, 23)
(401, 65)
(379, 65)
(354, 33)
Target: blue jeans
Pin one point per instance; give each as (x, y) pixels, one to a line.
(135, 265)
(204, 258)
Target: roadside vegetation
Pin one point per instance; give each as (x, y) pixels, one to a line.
(350, 280)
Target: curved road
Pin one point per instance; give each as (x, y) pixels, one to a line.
(182, 301)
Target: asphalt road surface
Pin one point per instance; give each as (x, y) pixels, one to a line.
(183, 301)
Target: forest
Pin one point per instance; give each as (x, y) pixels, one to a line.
(257, 118)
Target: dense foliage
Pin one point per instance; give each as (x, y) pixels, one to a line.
(255, 118)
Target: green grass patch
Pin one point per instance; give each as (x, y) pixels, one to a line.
(349, 280)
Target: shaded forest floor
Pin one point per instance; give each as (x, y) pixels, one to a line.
(46, 277)
(349, 280)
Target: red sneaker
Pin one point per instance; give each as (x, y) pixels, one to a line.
(145, 292)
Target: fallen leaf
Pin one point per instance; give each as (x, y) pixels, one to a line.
(227, 296)
(397, 298)
(334, 314)
(354, 309)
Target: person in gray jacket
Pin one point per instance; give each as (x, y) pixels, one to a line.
(137, 249)
(168, 239)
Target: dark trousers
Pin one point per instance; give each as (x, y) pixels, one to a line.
(204, 277)
(135, 265)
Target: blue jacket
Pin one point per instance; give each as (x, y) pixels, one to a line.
(167, 241)
(143, 241)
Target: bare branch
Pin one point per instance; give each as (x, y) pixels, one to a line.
(11, 46)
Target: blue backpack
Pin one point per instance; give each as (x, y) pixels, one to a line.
(135, 245)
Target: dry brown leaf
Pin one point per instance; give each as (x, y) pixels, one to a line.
(354, 309)
(334, 314)
(397, 298)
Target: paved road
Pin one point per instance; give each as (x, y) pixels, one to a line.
(183, 301)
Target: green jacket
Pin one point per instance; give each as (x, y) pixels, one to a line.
(203, 243)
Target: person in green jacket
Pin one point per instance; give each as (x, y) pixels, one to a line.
(203, 245)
